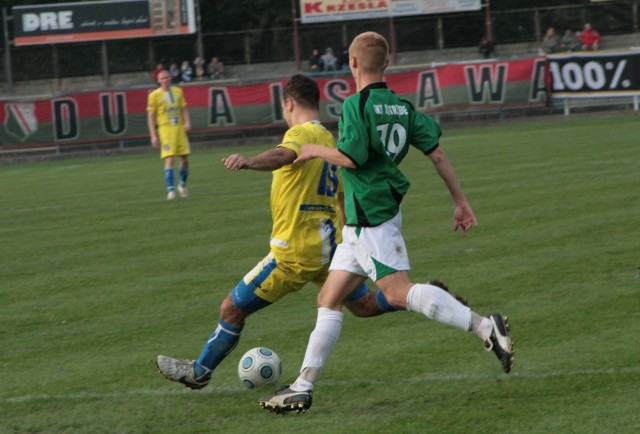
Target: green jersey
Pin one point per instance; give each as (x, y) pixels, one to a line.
(376, 129)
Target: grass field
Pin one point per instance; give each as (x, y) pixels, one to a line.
(99, 274)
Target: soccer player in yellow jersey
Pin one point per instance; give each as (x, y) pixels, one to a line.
(169, 122)
(306, 208)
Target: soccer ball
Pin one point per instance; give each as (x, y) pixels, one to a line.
(259, 367)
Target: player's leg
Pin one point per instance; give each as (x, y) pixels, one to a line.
(432, 300)
(345, 277)
(268, 282)
(243, 300)
(167, 152)
(365, 303)
(298, 395)
(169, 178)
(184, 174)
(183, 149)
(389, 269)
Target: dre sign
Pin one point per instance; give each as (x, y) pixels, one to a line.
(61, 20)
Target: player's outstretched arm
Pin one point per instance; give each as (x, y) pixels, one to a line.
(272, 159)
(332, 155)
(463, 216)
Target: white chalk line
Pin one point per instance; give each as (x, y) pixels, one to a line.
(177, 390)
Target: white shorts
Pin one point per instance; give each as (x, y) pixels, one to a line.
(372, 251)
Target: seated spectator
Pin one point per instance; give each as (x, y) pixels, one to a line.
(343, 60)
(569, 41)
(175, 74)
(486, 47)
(198, 62)
(550, 43)
(200, 74)
(329, 60)
(590, 38)
(186, 72)
(215, 68)
(315, 61)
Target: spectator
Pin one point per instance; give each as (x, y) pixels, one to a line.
(175, 73)
(569, 41)
(329, 60)
(215, 68)
(343, 60)
(200, 74)
(198, 62)
(550, 42)
(315, 61)
(486, 47)
(590, 38)
(186, 72)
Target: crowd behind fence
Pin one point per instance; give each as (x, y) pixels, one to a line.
(415, 33)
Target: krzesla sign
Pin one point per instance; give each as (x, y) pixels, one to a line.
(595, 74)
(318, 11)
(96, 21)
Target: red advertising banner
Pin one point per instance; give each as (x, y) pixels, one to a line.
(121, 115)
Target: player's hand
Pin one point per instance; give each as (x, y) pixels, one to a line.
(155, 142)
(235, 162)
(306, 153)
(187, 126)
(463, 218)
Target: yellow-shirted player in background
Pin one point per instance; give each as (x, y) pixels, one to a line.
(169, 122)
(306, 209)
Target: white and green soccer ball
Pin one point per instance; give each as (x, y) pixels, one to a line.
(259, 367)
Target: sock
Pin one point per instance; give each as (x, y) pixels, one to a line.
(221, 342)
(168, 178)
(184, 174)
(481, 326)
(439, 305)
(321, 342)
(383, 304)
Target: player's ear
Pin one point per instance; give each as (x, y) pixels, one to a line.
(288, 104)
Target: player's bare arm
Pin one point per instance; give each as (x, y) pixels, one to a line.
(151, 122)
(187, 119)
(272, 159)
(310, 151)
(463, 217)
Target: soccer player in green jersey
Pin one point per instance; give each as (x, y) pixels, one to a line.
(376, 128)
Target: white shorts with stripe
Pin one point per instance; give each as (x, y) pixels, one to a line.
(372, 251)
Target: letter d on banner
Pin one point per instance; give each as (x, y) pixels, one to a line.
(65, 119)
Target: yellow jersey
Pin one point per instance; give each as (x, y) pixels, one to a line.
(167, 106)
(306, 223)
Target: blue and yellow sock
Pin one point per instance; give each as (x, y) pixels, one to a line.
(221, 342)
(184, 174)
(169, 179)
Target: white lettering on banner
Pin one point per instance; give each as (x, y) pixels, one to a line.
(593, 75)
(47, 21)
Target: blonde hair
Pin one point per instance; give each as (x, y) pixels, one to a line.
(372, 51)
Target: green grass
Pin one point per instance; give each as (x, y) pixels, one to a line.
(99, 274)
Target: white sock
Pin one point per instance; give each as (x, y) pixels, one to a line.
(321, 342)
(484, 327)
(439, 305)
